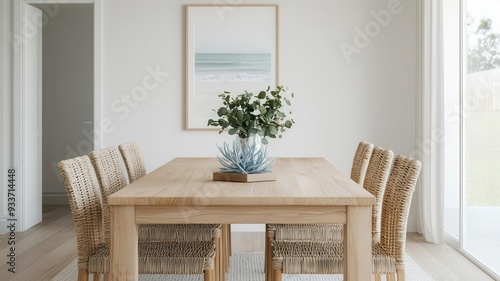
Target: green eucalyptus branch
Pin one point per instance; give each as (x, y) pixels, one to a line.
(246, 115)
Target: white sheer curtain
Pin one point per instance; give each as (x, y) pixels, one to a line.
(431, 123)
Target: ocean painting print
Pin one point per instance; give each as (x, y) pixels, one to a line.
(232, 67)
(228, 48)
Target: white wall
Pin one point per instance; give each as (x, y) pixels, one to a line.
(337, 104)
(68, 87)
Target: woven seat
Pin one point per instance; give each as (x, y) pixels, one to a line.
(325, 257)
(179, 232)
(382, 262)
(93, 251)
(111, 178)
(313, 232)
(161, 258)
(305, 257)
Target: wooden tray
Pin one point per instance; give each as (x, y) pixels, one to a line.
(218, 176)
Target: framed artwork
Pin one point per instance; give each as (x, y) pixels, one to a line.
(229, 48)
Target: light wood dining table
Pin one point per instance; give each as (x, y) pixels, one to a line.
(306, 190)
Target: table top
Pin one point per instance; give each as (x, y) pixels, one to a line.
(188, 181)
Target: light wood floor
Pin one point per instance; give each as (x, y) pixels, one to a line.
(47, 248)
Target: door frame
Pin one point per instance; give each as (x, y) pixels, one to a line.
(6, 105)
(19, 113)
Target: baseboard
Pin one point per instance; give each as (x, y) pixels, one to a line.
(55, 199)
(452, 241)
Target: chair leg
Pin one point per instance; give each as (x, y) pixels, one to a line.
(266, 252)
(229, 241)
(277, 275)
(400, 274)
(228, 246)
(222, 261)
(217, 260)
(378, 277)
(97, 277)
(390, 276)
(208, 275)
(106, 276)
(269, 255)
(83, 275)
(225, 247)
(267, 258)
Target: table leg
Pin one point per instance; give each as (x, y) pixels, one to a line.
(124, 265)
(357, 244)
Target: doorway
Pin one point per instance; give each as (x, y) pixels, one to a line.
(53, 120)
(67, 91)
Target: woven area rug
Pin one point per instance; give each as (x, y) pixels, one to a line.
(248, 267)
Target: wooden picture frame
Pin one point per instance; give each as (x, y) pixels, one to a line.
(227, 48)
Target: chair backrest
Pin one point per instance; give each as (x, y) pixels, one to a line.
(108, 166)
(396, 206)
(360, 162)
(85, 202)
(133, 161)
(375, 182)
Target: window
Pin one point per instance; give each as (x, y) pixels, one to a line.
(472, 148)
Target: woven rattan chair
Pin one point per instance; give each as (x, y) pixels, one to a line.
(388, 255)
(108, 167)
(361, 161)
(92, 248)
(136, 169)
(375, 182)
(370, 166)
(134, 163)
